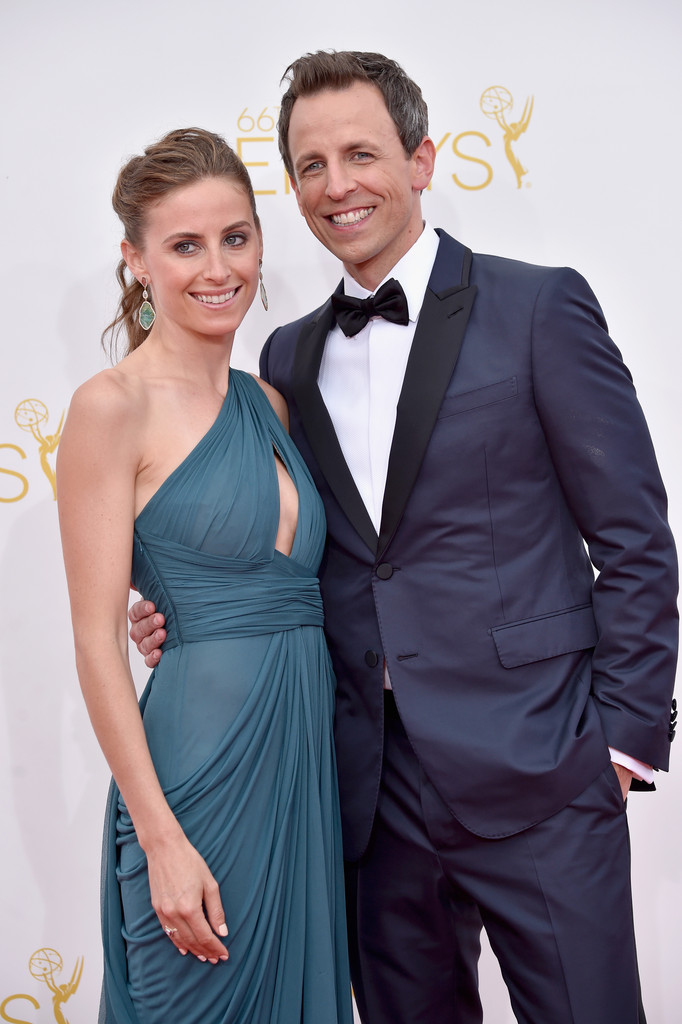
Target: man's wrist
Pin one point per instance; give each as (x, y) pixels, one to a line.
(642, 772)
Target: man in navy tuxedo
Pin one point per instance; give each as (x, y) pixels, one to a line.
(495, 696)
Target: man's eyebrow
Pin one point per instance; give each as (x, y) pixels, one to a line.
(307, 158)
(361, 145)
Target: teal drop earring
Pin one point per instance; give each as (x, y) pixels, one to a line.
(147, 313)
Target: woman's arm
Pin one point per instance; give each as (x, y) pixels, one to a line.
(99, 457)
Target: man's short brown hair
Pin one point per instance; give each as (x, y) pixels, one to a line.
(340, 69)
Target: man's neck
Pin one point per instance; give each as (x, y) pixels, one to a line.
(412, 271)
(370, 274)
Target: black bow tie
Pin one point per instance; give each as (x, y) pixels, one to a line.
(389, 302)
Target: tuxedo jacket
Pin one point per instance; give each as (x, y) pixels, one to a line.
(522, 588)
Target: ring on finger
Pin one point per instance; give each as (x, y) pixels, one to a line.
(169, 931)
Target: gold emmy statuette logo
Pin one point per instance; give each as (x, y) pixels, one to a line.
(29, 415)
(43, 965)
(494, 102)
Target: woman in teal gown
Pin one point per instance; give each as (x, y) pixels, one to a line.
(223, 812)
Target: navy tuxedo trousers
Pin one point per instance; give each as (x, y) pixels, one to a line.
(554, 899)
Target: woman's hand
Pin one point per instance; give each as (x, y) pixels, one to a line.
(186, 899)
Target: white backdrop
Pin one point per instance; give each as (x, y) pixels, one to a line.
(86, 84)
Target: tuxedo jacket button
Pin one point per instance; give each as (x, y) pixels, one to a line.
(385, 571)
(371, 659)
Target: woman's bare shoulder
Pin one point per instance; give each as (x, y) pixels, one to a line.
(108, 409)
(110, 395)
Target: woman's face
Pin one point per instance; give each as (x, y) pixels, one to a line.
(199, 256)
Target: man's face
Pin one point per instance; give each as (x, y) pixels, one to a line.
(355, 186)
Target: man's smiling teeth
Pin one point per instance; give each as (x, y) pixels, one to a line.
(216, 299)
(351, 218)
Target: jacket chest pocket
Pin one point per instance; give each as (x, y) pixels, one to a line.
(479, 397)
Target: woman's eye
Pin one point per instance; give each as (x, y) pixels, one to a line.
(233, 240)
(185, 247)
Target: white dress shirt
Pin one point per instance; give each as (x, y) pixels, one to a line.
(360, 380)
(361, 377)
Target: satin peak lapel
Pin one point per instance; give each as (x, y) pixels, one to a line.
(318, 426)
(437, 342)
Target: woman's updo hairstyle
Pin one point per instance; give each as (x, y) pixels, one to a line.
(182, 157)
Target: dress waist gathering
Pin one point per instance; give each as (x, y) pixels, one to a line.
(205, 596)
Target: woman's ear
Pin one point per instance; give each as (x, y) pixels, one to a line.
(134, 260)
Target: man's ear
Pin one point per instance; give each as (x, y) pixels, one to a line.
(423, 162)
(134, 260)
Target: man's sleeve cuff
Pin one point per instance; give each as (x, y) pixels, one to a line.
(641, 771)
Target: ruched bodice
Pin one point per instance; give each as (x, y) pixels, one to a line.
(217, 572)
(238, 719)
(208, 597)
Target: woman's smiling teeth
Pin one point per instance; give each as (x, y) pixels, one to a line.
(354, 217)
(215, 300)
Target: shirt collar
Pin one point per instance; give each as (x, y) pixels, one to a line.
(413, 271)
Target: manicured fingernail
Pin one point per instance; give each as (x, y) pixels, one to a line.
(183, 951)
(202, 958)
(213, 961)
(225, 957)
(222, 930)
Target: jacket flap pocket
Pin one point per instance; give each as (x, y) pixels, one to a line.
(521, 643)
